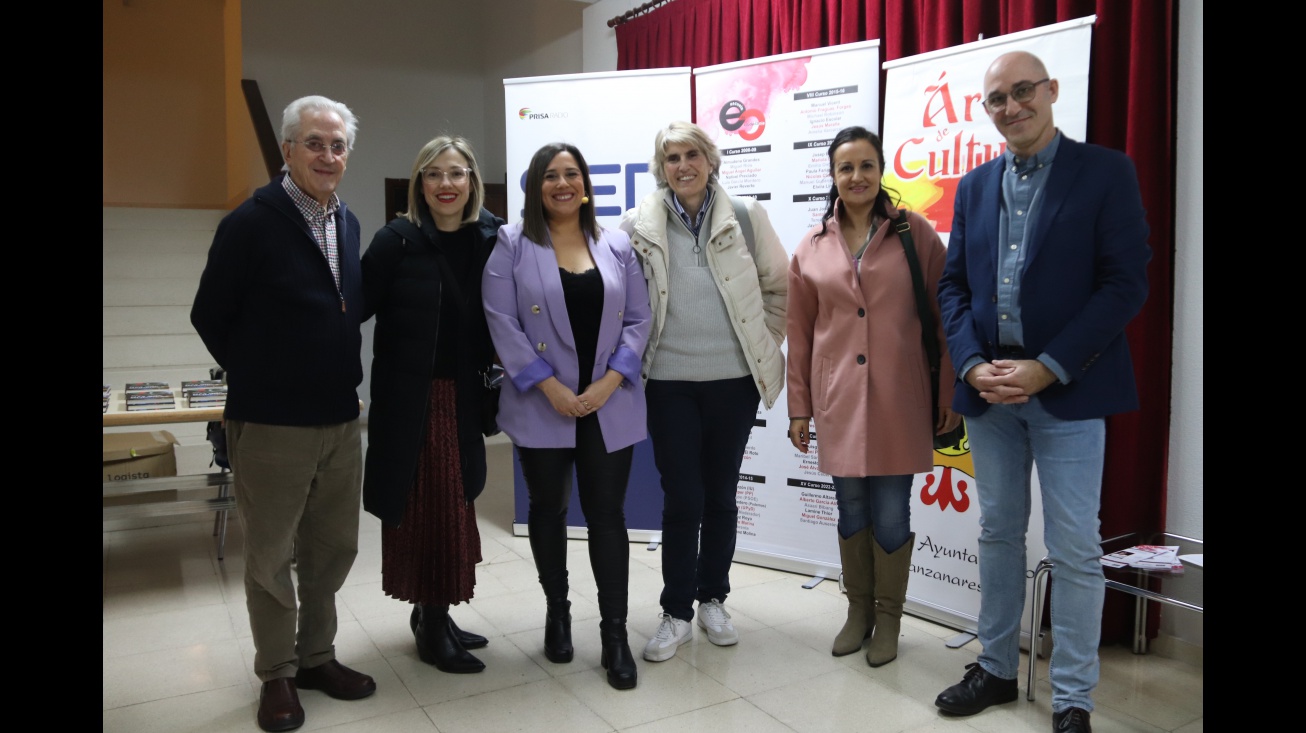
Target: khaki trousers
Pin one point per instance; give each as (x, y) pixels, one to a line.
(297, 494)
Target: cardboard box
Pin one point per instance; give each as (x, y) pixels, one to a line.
(129, 456)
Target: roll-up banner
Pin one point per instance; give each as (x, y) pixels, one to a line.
(611, 118)
(935, 131)
(773, 119)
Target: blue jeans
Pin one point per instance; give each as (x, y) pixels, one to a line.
(1005, 442)
(699, 432)
(882, 502)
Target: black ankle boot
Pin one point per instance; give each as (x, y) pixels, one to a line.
(557, 632)
(466, 638)
(437, 644)
(617, 658)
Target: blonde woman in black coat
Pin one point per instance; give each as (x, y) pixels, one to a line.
(426, 452)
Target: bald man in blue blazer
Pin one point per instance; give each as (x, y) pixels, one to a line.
(1047, 264)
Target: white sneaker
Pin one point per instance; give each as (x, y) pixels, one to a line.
(671, 633)
(713, 619)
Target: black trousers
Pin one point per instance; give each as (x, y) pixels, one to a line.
(601, 479)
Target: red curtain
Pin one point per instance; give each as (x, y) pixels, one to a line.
(1131, 102)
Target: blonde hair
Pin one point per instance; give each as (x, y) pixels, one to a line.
(428, 153)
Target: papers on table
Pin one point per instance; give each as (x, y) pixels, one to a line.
(1157, 558)
(1194, 559)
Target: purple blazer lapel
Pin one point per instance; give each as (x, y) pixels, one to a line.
(550, 284)
(614, 294)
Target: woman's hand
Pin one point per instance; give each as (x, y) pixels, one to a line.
(597, 394)
(563, 400)
(800, 432)
(948, 420)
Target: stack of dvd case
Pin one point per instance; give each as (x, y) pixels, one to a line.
(149, 396)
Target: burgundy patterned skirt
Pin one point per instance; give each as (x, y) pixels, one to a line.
(431, 556)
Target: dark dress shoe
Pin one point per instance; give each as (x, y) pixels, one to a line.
(336, 680)
(617, 658)
(278, 706)
(1071, 720)
(557, 632)
(466, 638)
(976, 691)
(437, 644)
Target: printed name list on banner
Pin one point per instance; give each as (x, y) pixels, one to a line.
(773, 119)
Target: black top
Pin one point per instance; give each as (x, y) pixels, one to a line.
(456, 248)
(584, 295)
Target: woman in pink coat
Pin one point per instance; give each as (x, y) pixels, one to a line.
(857, 367)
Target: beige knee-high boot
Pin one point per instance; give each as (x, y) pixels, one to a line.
(891, 572)
(858, 582)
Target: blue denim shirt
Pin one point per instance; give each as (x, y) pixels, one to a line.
(1023, 180)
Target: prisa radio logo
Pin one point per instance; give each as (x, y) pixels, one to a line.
(749, 123)
(525, 113)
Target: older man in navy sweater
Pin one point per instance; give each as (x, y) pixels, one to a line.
(279, 308)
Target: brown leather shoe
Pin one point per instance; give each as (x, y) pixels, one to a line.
(336, 680)
(278, 706)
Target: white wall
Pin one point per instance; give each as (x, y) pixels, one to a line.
(1184, 510)
(551, 29)
(408, 70)
(600, 41)
(1185, 485)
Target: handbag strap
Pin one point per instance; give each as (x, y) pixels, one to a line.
(745, 225)
(928, 329)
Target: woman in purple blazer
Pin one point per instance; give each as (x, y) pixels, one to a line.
(568, 311)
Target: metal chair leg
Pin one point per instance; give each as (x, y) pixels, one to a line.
(222, 536)
(220, 524)
(1041, 572)
(1140, 617)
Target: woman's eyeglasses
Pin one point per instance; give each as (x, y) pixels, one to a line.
(453, 175)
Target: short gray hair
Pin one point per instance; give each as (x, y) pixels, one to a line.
(292, 119)
(683, 133)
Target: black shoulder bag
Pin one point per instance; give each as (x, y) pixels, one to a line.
(214, 430)
(492, 376)
(952, 438)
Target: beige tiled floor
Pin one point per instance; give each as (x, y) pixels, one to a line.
(178, 654)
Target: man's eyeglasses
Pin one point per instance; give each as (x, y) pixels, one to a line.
(1022, 93)
(316, 147)
(454, 175)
